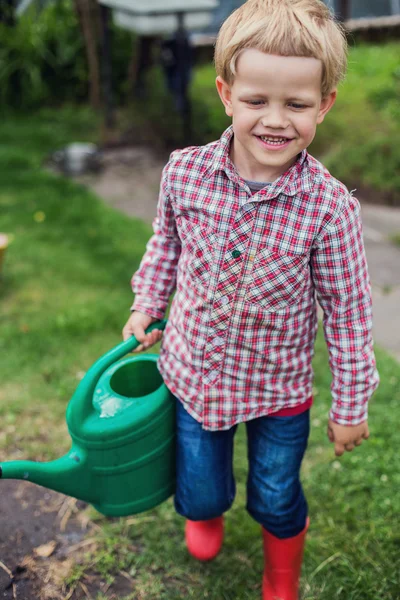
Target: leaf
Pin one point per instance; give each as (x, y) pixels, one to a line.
(45, 550)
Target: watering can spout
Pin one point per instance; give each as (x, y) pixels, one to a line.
(65, 475)
(121, 419)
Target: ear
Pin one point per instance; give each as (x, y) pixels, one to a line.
(326, 105)
(224, 91)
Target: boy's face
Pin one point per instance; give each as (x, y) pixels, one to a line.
(278, 97)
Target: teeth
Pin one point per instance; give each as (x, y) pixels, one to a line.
(273, 140)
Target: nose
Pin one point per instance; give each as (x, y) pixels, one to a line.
(275, 118)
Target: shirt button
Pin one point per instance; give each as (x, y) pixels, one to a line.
(217, 340)
(224, 300)
(236, 254)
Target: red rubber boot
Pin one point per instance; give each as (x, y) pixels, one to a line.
(283, 559)
(204, 538)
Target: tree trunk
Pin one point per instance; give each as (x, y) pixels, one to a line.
(344, 11)
(88, 15)
(143, 62)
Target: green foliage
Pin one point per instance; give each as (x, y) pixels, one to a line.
(43, 59)
(359, 140)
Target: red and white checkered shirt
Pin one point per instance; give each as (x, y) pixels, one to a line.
(247, 269)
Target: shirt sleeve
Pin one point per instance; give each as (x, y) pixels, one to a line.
(340, 274)
(155, 280)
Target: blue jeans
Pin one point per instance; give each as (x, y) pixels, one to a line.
(205, 486)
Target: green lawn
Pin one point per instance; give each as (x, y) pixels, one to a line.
(65, 295)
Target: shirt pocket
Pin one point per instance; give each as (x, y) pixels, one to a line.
(277, 279)
(198, 244)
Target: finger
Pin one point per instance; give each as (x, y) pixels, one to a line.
(330, 434)
(139, 338)
(358, 442)
(339, 449)
(138, 349)
(349, 447)
(365, 435)
(126, 333)
(149, 340)
(154, 337)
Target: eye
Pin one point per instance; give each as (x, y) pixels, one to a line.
(298, 106)
(255, 102)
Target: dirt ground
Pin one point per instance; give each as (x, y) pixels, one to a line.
(38, 529)
(43, 536)
(130, 180)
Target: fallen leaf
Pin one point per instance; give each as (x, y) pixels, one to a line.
(45, 550)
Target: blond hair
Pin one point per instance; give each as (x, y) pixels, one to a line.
(285, 28)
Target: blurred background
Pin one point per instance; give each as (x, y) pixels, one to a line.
(94, 95)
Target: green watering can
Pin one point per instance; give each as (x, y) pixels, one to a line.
(121, 419)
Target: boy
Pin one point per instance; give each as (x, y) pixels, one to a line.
(250, 230)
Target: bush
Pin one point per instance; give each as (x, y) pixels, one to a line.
(359, 140)
(43, 59)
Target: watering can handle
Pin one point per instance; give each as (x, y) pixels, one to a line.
(131, 343)
(80, 404)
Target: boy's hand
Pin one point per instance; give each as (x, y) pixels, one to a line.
(346, 437)
(136, 325)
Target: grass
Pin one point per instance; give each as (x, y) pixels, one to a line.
(64, 297)
(66, 277)
(396, 239)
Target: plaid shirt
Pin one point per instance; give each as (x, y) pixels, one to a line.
(247, 270)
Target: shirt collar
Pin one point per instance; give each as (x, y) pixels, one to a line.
(295, 180)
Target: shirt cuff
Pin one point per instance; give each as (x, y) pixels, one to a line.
(149, 307)
(349, 416)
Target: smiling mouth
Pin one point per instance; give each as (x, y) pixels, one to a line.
(278, 141)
